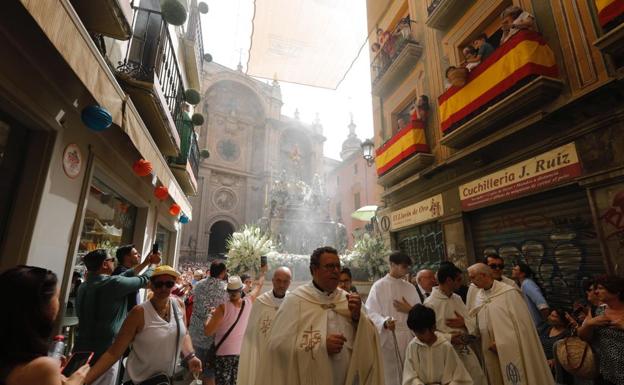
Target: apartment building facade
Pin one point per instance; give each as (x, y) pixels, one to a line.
(522, 158)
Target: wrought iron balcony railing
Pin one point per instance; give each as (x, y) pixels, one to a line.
(395, 42)
(152, 54)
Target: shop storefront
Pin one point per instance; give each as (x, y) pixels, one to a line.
(418, 233)
(535, 212)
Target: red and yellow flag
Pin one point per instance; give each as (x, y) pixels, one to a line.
(609, 10)
(401, 146)
(525, 54)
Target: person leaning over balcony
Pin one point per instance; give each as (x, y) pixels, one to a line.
(484, 49)
(514, 19)
(470, 54)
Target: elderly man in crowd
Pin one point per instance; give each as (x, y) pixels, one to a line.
(511, 349)
(452, 318)
(320, 334)
(425, 281)
(497, 265)
(259, 326)
(388, 304)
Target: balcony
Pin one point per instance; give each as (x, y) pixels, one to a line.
(394, 61)
(406, 153)
(443, 13)
(151, 76)
(185, 167)
(516, 81)
(112, 18)
(193, 48)
(611, 19)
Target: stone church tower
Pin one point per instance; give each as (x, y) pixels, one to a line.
(250, 144)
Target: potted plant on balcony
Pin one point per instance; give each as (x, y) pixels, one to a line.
(245, 248)
(173, 12)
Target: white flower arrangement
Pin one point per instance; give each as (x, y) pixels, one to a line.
(245, 248)
(370, 253)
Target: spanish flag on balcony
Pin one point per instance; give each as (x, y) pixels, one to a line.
(608, 10)
(405, 143)
(525, 55)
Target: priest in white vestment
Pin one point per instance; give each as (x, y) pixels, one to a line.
(388, 303)
(430, 357)
(497, 264)
(321, 335)
(511, 348)
(453, 320)
(259, 326)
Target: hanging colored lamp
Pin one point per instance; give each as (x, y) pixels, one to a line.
(96, 118)
(161, 193)
(174, 209)
(142, 167)
(184, 219)
(173, 11)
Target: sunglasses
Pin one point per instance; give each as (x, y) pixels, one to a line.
(160, 284)
(495, 266)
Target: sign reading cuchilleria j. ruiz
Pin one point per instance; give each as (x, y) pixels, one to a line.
(548, 169)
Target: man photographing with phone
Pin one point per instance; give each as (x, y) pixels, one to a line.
(102, 304)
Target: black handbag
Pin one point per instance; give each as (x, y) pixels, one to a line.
(211, 356)
(163, 378)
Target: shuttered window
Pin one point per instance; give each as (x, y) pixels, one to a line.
(553, 232)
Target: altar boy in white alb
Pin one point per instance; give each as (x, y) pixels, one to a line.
(259, 326)
(452, 319)
(389, 301)
(430, 358)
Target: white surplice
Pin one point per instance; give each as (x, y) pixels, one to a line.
(296, 351)
(471, 296)
(379, 306)
(445, 307)
(256, 336)
(503, 318)
(435, 364)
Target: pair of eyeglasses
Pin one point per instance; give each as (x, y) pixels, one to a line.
(495, 266)
(331, 266)
(160, 284)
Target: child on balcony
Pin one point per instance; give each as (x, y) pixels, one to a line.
(470, 55)
(484, 49)
(515, 19)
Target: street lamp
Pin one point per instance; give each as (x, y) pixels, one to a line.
(368, 147)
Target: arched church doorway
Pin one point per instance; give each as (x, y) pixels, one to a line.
(219, 233)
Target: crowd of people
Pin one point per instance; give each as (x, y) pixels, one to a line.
(513, 19)
(425, 327)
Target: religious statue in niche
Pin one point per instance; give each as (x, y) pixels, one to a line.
(225, 200)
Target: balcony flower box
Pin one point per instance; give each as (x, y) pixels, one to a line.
(402, 146)
(523, 59)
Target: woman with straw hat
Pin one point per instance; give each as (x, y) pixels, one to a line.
(158, 335)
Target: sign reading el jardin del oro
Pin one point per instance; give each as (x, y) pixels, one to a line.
(547, 169)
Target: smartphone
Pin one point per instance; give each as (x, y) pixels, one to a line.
(263, 260)
(600, 310)
(155, 248)
(76, 360)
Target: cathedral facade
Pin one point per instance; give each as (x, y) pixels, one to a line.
(251, 144)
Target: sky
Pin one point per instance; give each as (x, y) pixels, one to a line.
(227, 29)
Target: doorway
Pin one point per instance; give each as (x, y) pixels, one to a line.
(219, 233)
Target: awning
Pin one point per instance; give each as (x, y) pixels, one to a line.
(364, 213)
(306, 42)
(62, 26)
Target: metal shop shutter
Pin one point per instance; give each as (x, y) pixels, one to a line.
(424, 244)
(553, 232)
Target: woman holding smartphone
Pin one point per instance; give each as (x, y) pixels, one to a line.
(606, 329)
(31, 306)
(157, 332)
